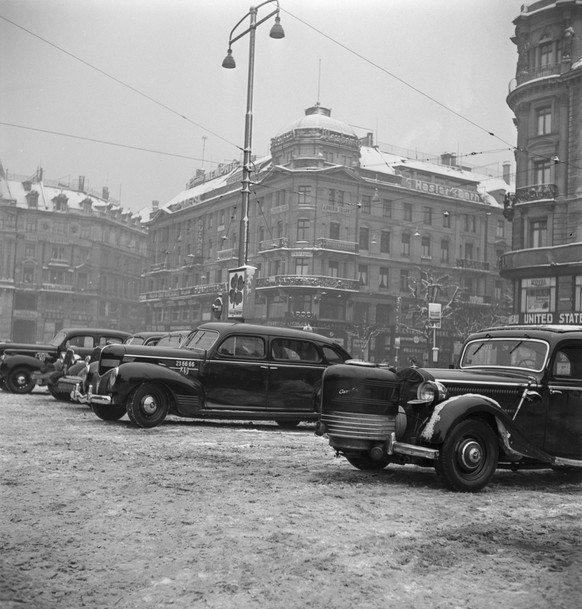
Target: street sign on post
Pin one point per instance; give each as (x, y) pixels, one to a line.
(434, 314)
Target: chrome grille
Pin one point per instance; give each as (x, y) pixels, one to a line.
(359, 425)
(507, 397)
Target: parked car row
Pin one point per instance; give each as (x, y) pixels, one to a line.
(514, 402)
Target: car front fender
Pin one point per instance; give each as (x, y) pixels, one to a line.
(133, 374)
(13, 361)
(448, 413)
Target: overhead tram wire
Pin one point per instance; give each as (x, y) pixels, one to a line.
(121, 82)
(90, 139)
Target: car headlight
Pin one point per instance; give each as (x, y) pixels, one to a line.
(112, 378)
(429, 392)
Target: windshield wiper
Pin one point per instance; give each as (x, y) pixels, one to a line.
(488, 337)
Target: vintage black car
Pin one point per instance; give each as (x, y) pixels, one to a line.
(222, 371)
(72, 369)
(515, 402)
(19, 361)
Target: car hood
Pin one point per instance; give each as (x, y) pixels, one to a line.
(485, 376)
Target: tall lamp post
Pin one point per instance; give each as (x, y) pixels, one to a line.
(276, 32)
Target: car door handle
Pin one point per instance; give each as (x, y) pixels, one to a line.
(555, 392)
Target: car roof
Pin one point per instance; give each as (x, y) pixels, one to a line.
(540, 331)
(245, 328)
(103, 331)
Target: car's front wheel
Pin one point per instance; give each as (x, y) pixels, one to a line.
(108, 413)
(289, 424)
(20, 381)
(148, 406)
(468, 458)
(61, 396)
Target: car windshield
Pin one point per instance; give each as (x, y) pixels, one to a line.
(523, 353)
(58, 339)
(201, 339)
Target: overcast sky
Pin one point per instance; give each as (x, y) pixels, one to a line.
(430, 76)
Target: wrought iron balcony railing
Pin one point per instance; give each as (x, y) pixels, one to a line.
(536, 192)
(310, 281)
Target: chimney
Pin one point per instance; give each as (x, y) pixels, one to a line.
(449, 159)
(155, 205)
(506, 171)
(106, 193)
(81, 183)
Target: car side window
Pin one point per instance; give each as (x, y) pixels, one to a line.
(332, 356)
(295, 350)
(252, 347)
(81, 341)
(568, 362)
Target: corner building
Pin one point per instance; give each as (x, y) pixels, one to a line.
(338, 231)
(69, 257)
(545, 264)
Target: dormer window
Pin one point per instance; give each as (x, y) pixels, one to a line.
(32, 199)
(87, 205)
(60, 202)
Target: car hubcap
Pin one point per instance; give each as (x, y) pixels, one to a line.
(149, 405)
(470, 454)
(21, 380)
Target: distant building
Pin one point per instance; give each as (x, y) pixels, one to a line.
(545, 264)
(68, 257)
(338, 232)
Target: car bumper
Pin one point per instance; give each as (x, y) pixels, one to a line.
(96, 398)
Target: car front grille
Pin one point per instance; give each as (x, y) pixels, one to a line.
(359, 426)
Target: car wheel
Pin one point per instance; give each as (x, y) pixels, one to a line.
(20, 381)
(148, 406)
(364, 462)
(468, 458)
(288, 424)
(108, 413)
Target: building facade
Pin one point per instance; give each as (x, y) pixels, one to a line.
(344, 238)
(68, 257)
(545, 264)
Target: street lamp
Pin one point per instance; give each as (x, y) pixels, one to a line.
(229, 63)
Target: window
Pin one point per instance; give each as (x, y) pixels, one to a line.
(470, 223)
(279, 229)
(364, 242)
(387, 208)
(542, 172)
(500, 231)
(468, 251)
(538, 233)
(404, 278)
(334, 230)
(301, 266)
(445, 256)
(408, 212)
(385, 242)
(544, 120)
(405, 244)
(261, 233)
(427, 215)
(304, 195)
(446, 219)
(383, 278)
(302, 229)
(425, 247)
(545, 54)
(363, 274)
(366, 204)
(333, 267)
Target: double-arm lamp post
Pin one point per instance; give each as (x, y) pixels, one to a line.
(276, 32)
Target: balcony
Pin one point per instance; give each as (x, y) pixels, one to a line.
(337, 245)
(207, 289)
(270, 244)
(308, 281)
(228, 254)
(475, 265)
(536, 192)
(158, 267)
(541, 260)
(554, 69)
